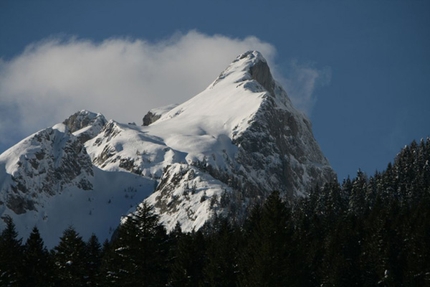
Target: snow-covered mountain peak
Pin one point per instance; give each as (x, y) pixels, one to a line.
(226, 107)
(218, 153)
(244, 132)
(247, 66)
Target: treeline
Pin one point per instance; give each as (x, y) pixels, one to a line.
(367, 231)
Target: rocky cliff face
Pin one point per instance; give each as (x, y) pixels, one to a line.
(216, 154)
(279, 142)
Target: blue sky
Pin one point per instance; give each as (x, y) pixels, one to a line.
(359, 69)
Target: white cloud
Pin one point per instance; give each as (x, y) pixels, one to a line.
(119, 77)
(123, 78)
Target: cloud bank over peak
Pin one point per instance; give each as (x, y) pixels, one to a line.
(120, 77)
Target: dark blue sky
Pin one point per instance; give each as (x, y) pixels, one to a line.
(378, 52)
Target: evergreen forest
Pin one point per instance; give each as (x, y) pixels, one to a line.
(365, 231)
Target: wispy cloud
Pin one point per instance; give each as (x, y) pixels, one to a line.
(301, 80)
(119, 77)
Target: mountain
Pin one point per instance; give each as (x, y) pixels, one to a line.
(216, 154)
(48, 179)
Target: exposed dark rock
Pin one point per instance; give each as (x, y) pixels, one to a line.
(128, 164)
(261, 73)
(83, 119)
(154, 114)
(149, 118)
(20, 205)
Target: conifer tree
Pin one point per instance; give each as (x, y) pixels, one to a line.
(189, 260)
(121, 261)
(222, 254)
(266, 259)
(70, 259)
(342, 253)
(138, 256)
(38, 267)
(11, 254)
(418, 245)
(94, 252)
(358, 193)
